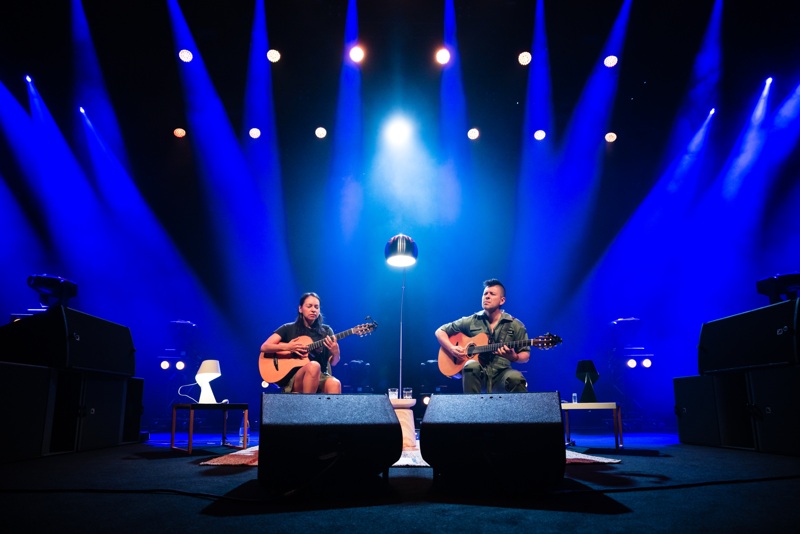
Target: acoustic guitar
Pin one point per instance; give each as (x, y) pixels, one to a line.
(450, 366)
(274, 367)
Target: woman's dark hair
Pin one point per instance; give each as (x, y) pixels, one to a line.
(317, 325)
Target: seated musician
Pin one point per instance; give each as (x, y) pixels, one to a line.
(488, 371)
(308, 371)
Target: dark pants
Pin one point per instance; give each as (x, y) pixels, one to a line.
(492, 378)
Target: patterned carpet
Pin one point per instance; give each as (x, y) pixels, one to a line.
(409, 458)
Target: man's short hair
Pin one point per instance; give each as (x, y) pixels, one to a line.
(491, 282)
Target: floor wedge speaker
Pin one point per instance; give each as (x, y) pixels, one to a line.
(308, 442)
(514, 441)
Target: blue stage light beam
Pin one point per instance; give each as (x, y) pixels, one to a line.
(578, 171)
(344, 182)
(90, 87)
(243, 239)
(262, 154)
(537, 180)
(703, 85)
(456, 174)
(70, 205)
(750, 147)
(20, 248)
(152, 280)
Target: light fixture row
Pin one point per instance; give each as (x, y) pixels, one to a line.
(321, 133)
(357, 55)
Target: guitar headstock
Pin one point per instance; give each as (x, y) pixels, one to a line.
(366, 328)
(547, 341)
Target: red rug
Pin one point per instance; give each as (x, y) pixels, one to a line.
(409, 458)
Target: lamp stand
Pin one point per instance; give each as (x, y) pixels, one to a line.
(402, 296)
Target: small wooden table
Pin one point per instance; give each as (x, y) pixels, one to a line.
(224, 408)
(616, 413)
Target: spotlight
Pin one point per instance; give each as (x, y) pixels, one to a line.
(397, 132)
(524, 58)
(473, 133)
(357, 54)
(631, 363)
(443, 56)
(273, 56)
(185, 56)
(209, 370)
(539, 135)
(647, 363)
(180, 366)
(164, 364)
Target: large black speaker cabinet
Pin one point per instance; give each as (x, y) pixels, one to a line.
(26, 404)
(134, 409)
(776, 409)
(313, 441)
(65, 338)
(696, 410)
(89, 411)
(763, 337)
(513, 440)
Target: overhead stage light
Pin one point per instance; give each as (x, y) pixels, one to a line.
(357, 54)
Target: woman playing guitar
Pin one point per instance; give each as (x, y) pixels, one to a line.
(310, 371)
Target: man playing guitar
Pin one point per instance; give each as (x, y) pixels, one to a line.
(489, 372)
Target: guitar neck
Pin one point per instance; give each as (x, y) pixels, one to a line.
(513, 344)
(317, 344)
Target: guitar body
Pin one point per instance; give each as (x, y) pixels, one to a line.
(275, 367)
(448, 365)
